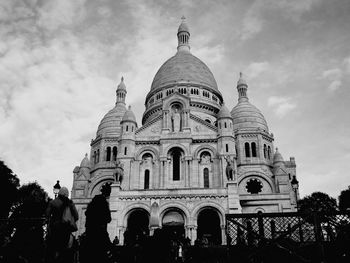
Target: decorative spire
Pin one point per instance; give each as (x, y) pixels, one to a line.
(121, 92)
(242, 88)
(183, 36)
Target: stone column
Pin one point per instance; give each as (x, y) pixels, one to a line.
(223, 235)
(194, 234)
(166, 173)
(188, 231)
(194, 174)
(114, 208)
(186, 172)
(234, 205)
(222, 170)
(121, 231)
(260, 148)
(161, 173)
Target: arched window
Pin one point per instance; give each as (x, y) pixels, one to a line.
(206, 177)
(253, 149)
(220, 125)
(115, 151)
(108, 155)
(132, 128)
(265, 151)
(146, 183)
(94, 157)
(125, 150)
(98, 155)
(269, 152)
(247, 149)
(226, 147)
(127, 127)
(225, 125)
(176, 155)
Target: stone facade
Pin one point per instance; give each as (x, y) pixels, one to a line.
(191, 156)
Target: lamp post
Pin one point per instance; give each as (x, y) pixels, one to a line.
(56, 188)
(295, 187)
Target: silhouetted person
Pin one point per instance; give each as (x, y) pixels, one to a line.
(97, 244)
(59, 234)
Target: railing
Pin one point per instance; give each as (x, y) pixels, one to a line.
(275, 237)
(304, 237)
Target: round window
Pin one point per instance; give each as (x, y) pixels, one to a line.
(254, 186)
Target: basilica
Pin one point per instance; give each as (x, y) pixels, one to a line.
(191, 162)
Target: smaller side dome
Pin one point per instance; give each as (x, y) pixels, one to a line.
(246, 116)
(277, 158)
(224, 112)
(85, 163)
(129, 116)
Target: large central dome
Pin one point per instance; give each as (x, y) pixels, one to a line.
(183, 68)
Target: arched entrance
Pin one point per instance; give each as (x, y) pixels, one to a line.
(173, 225)
(137, 227)
(209, 230)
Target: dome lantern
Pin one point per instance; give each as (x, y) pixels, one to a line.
(242, 88)
(121, 92)
(183, 36)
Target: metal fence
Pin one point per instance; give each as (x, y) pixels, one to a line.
(303, 237)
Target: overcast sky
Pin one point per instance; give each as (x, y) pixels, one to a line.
(61, 61)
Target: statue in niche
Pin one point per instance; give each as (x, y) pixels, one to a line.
(230, 169)
(176, 120)
(119, 172)
(147, 158)
(205, 158)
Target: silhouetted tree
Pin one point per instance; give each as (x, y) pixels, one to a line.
(27, 222)
(318, 202)
(344, 199)
(9, 184)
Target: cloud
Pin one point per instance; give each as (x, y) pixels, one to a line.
(347, 65)
(260, 11)
(54, 89)
(335, 76)
(256, 68)
(335, 73)
(336, 84)
(281, 105)
(56, 13)
(252, 21)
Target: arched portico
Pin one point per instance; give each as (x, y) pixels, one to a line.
(137, 226)
(173, 221)
(210, 224)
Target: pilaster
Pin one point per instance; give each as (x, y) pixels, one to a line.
(234, 205)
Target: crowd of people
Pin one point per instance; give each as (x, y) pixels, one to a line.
(59, 245)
